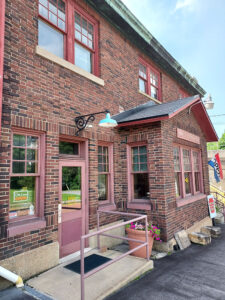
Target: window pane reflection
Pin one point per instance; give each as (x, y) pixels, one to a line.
(50, 39)
(83, 58)
(71, 187)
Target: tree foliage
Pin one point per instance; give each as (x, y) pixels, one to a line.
(222, 142)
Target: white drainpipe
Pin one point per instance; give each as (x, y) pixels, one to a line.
(11, 277)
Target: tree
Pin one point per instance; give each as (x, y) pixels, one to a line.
(222, 142)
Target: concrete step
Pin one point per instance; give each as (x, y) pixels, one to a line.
(213, 231)
(200, 238)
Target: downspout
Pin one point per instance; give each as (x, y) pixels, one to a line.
(11, 277)
(2, 37)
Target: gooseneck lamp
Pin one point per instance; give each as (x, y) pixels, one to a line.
(82, 121)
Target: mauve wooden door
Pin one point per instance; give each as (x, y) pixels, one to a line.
(72, 197)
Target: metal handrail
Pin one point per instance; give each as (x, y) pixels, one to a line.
(99, 232)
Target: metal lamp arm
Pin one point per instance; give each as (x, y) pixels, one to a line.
(82, 121)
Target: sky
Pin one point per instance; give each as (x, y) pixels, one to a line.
(193, 32)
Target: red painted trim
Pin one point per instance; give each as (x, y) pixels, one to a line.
(2, 38)
(150, 68)
(204, 121)
(143, 206)
(110, 200)
(25, 226)
(135, 203)
(76, 214)
(40, 181)
(95, 24)
(189, 200)
(193, 191)
(188, 136)
(70, 32)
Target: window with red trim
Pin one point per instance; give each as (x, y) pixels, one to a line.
(84, 46)
(52, 26)
(25, 175)
(54, 34)
(139, 175)
(188, 171)
(105, 176)
(177, 170)
(149, 81)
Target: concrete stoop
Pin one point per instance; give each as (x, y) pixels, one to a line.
(60, 283)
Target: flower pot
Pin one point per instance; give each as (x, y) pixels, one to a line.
(139, 235)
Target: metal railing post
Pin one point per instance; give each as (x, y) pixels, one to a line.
(82, 267)
(98, 237)
(146, 238)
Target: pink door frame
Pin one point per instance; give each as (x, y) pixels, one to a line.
(73, 215)
(2, 38)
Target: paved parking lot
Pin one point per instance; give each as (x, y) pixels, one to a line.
(195, 273)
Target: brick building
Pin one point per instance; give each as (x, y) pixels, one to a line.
(67, 58)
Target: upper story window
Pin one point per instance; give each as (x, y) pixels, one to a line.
(188, 171)
(149, 81)
(84, 43)
(25, 177)
(55, 36)
(51, 34)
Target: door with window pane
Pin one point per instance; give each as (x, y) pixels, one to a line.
(72, 208)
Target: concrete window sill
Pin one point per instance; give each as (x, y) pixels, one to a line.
(136, 205)
(191, 199)
(108, 206)
(153, 99)
(64, 63)
(23, 226)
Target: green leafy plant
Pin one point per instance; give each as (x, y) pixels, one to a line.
(154, 230)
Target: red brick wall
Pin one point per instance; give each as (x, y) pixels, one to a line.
(43, 96)
(160, 139)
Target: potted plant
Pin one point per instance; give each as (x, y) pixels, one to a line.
(137, 231)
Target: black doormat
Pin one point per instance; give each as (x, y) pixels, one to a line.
(90, 262)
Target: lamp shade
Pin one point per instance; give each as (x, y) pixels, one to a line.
(209, 104)
(108, 122)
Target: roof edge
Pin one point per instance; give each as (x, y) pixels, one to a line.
(121, 9)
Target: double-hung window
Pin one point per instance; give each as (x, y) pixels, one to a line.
(52, 26)
(197, 171)
(26, 179)
(105, 173)
(84, 46)
(138, 173)
(188, 171)
(149, 81)
(55, 36)
(177, 170)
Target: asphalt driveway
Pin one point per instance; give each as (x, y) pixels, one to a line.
(195, 273)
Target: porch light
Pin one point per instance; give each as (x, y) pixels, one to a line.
(82, 121)
(208, 103)
(108, 122)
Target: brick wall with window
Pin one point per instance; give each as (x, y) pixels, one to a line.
(44, 97)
